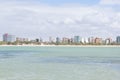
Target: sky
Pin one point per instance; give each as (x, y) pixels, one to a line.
(63, 18)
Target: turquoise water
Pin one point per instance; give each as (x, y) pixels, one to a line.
(59, 63)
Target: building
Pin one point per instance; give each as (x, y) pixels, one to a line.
(82, 40)
(8, 38)
(76, 39)
(18, 39)
(118, 39)
(21, 39)
(108, 41)
(57, 40)
(98, 40)
(86, 40)
(91, 40)
(51, 40)
(71, 40)
(41, 40)
(37, 40)
(65, 40)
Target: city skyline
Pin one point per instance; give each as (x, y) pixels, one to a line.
(47, 38)
(9, 39)
(44, 18)
(77, 38)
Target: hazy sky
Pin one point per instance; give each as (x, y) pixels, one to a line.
(44, 18)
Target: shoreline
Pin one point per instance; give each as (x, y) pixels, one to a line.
(59, 45)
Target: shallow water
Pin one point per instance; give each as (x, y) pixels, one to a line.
(59, 63)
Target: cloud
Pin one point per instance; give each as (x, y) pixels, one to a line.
(110, 2)
(43, 21)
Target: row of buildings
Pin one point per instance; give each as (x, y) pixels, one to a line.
(11, 38)
(75, 40)
(80, 40)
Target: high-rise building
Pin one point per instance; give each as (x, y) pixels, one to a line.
(98, 40)
(41, 40)
(91, 40)
(118, 39)
(76, 39)
(108, 41)
(71, 40)
(86, 40)
(51, 40)
(65, 40)
(57, 40)
(37, 40)
(8, 38)
(82, 40)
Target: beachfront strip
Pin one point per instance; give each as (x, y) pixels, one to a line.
(9, 39)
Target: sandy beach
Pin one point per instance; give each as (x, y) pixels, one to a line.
(61, 45)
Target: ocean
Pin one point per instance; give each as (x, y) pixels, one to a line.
(59, 63)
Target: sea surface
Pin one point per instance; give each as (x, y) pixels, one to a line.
(59, 63)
